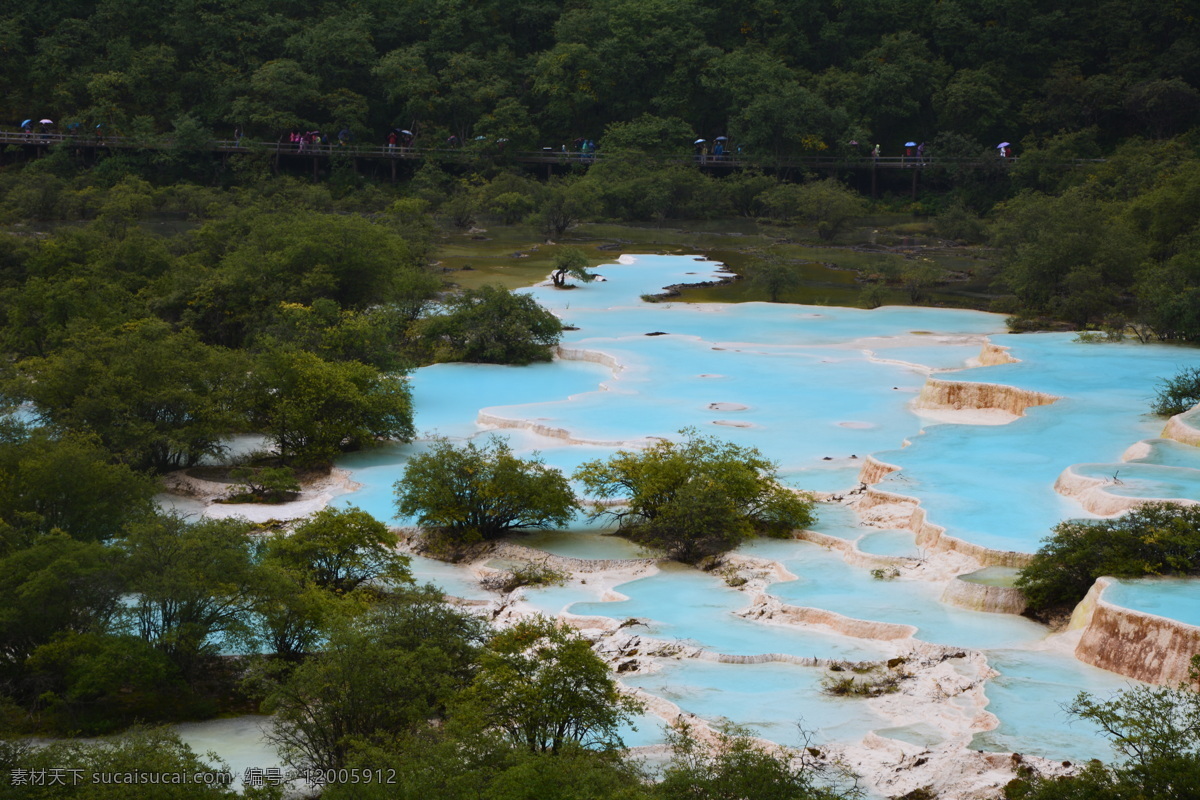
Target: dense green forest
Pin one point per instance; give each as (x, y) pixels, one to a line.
(773, 75)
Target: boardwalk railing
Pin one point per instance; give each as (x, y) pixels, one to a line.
(469, 153)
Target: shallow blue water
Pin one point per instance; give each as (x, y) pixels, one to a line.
(818, 389)
(1175, 598)
(693, 607)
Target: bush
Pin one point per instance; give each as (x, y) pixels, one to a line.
(474, 493)
(312, 409)
(738, 764)
(1153, 731)
(541, 686)
(694, 499)
(492, 325)
(869, 681)
(263, 485)
(1177, 394)
(342, 550)
(531, 574)
(1156, 539)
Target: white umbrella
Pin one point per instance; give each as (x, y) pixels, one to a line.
(700, 141)
(1002, 144)
(46, 122)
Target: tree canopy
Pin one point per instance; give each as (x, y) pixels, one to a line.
(478, 492)
(492, 325)
(695, 498)
(536, 72)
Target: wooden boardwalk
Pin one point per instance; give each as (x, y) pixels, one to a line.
(36, 144)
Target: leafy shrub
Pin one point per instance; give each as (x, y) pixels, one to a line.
(530, 574)
(263, 485)
(1178, 393)
(869, 681)
(475, 493)
(696, 498)
(1156, 539)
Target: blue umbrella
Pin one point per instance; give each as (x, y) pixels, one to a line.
(910, 144)
(26, 122)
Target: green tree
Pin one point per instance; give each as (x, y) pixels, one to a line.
(192, 586)
(51, 585)
(476, 493)
(95, 682)
(390, 670)
(380, 336)
(280, 96)
(1177, 394)
(973, 103)
(292, 615)
(1153, 539)
(342, 550)
(157, 398)
(826, 205)
(546, 690)
(147, 751)
(1069, 255)
(263, 485)
(312, 409)
(465, 764)
(492, 325)
(648, 134)
(738, 765)
(1156, 732)
(564, 204)
(570, 261)
(696, 498)
(66, 482)
(263, 260)
(919, 277)
(774, 276)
